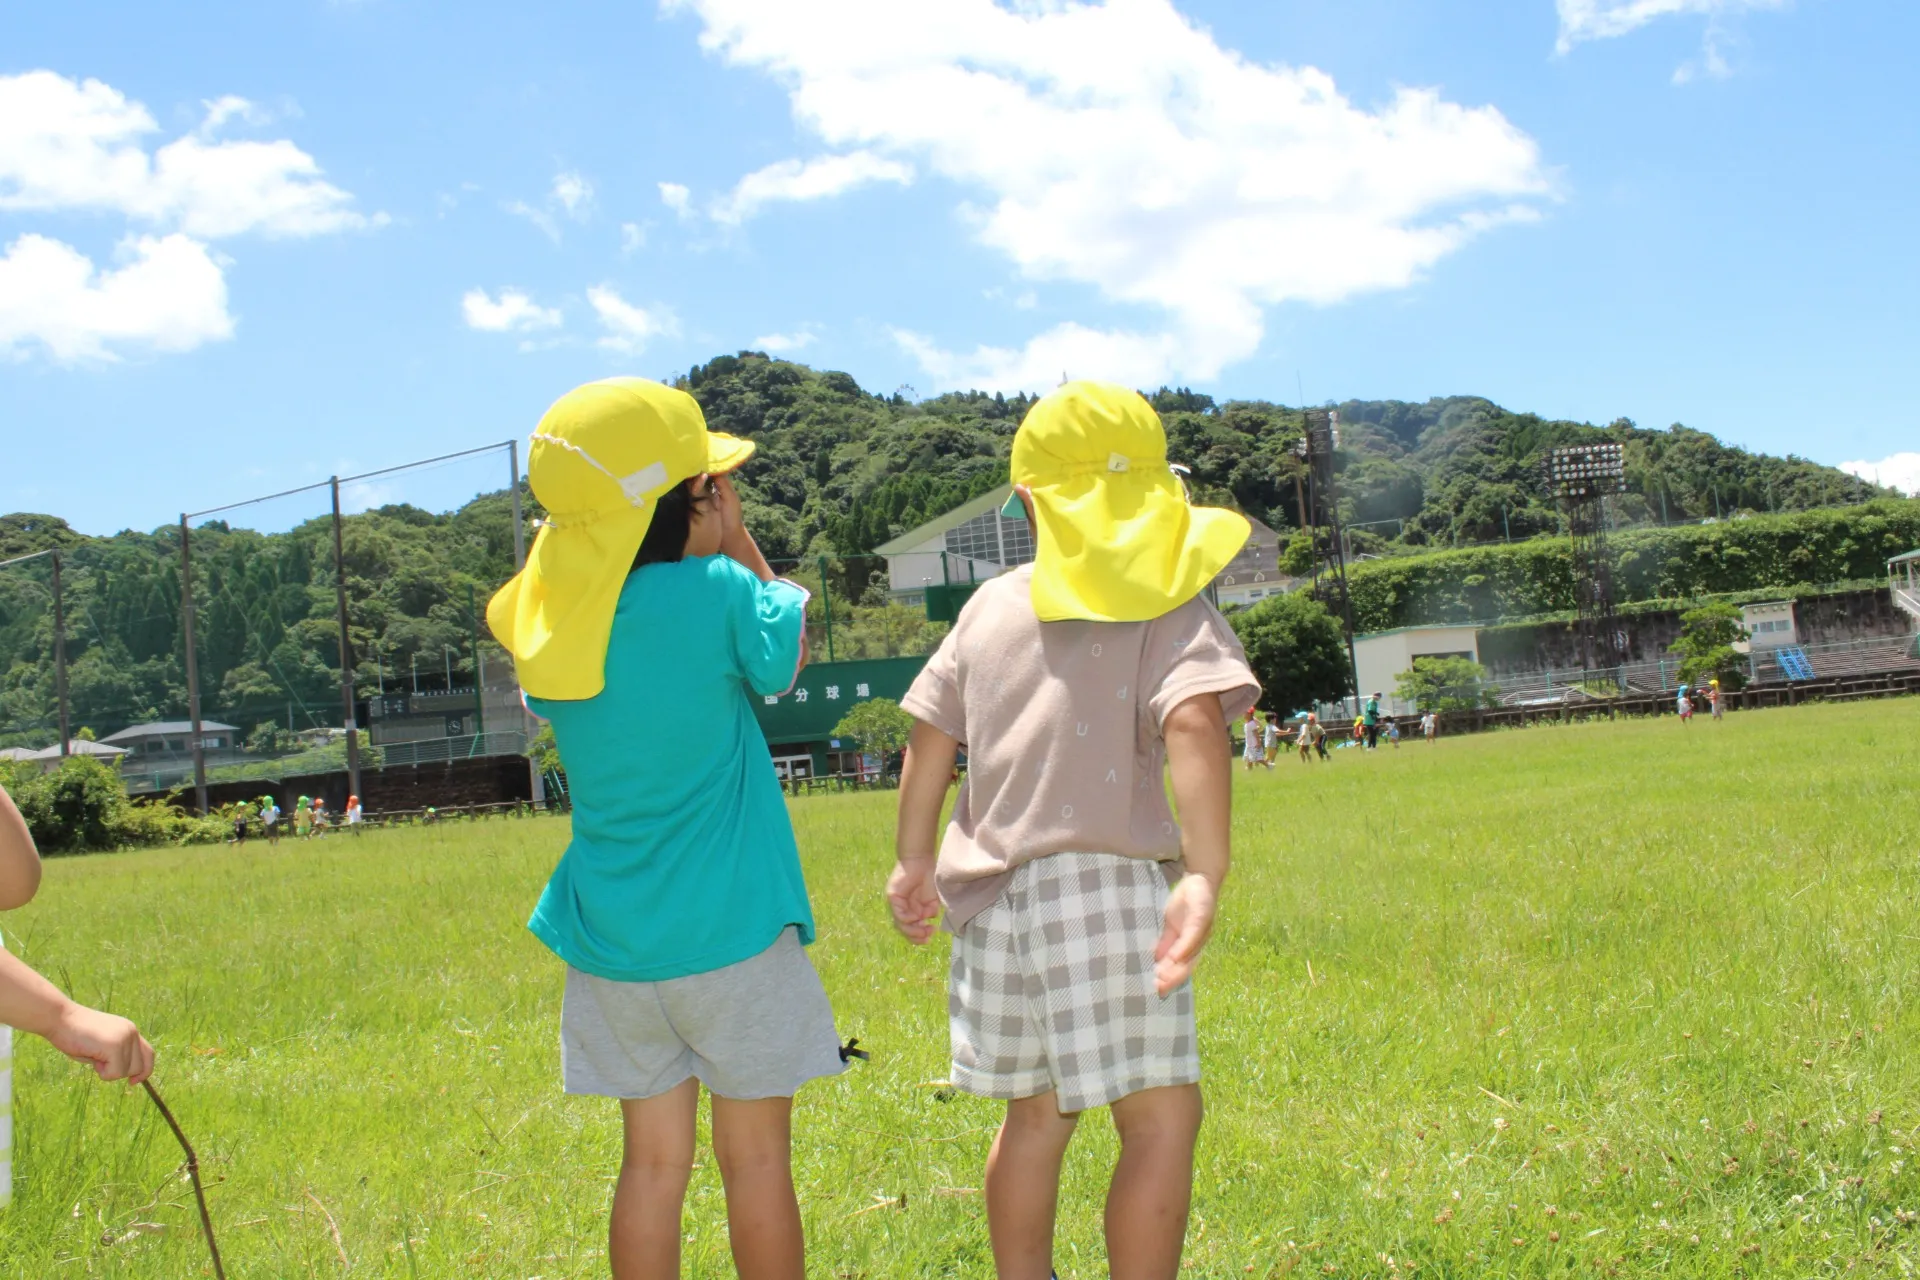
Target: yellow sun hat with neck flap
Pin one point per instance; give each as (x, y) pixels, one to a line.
(1117, 540)
(599, 462)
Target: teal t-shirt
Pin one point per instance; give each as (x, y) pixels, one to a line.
(683, 858)
(1373, 711)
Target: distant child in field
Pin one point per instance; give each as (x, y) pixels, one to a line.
(1714, 699)
(1684, 705)
(1393, 733)
(270, 819)
(679, 906)
(1430, 725)
(1074, 683)
(1272, 738)
(1319, 734)
(1304, 740)
(319, 815)
(303, 818)
(112, 1046)
(240, 812)
(1251, 748)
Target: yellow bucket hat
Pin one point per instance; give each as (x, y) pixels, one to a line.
(1117, 539)
(599, 462)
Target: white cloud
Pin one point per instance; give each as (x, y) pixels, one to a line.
(816, 179)
(1119, 146)
(1582, 20)
(781, 343)
(574, 194)
(629, 328)
(1897, 470)
(1062, 352)
(538, 217)
(677, 198)
(69, 145)
(633, 237)
(169, 294)
(512, 312)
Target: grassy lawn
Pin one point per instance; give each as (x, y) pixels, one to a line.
(1614, 999)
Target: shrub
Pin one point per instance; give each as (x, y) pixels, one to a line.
(1297, 651)
(1446, 684)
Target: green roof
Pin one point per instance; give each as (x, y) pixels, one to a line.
(1902, 559)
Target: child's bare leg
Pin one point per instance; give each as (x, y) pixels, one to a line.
(1023, 1186)
(656, 1161)
(753, 1144)
(1153, 1183)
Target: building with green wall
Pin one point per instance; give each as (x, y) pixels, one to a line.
(799, 724)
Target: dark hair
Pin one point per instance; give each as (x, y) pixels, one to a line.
(666, 540)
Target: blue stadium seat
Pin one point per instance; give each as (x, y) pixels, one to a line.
(1794, 663)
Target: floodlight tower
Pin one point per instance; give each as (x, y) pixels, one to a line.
(1582, 477)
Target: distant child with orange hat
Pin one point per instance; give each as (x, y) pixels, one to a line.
(1078, 906)
(679, 905)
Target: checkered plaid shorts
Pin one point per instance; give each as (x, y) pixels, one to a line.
(1052, 987)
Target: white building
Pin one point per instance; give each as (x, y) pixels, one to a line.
(1770, 626)
(1381, 657)
(173, 739)
(973, 543)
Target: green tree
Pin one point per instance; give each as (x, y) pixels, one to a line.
(1705, 646)
(544, 750)
(1296, 649)
(878, 725)
(1446, 684)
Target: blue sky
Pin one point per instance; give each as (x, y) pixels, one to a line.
(246, 246)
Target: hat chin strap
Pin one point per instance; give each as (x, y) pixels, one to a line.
(636, 486)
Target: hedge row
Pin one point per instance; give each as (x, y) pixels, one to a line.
(1525, 579)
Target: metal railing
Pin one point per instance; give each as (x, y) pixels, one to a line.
(1840, 658)
(1907, 600)
(472, 746)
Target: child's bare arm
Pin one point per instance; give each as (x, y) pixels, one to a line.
(1203, 790)
(112, 1046)
(911, 896)
(19, 860)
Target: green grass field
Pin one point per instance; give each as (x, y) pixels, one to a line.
(1613, 999)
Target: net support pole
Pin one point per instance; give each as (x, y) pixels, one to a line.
(199, 746)
(346, 644)
(479, 670)
(60, 659)
(536, 782)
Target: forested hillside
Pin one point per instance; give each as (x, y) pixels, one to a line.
(839, 471)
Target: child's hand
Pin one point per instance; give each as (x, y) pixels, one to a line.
(912, 899)
(113, 1046)
(1189, 922)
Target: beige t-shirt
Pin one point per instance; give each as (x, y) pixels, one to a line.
(1061, 722)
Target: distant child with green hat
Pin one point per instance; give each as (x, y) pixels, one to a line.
(303, 818)
(644, 622)
(1078, 906)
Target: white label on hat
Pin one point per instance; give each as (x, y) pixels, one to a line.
(1117, 462)
(644, 481)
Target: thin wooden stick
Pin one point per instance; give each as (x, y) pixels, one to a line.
(193, 1172)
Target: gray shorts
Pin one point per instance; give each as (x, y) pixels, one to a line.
(757, 1029)
(1052, 987)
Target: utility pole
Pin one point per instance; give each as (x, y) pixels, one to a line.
(193, 670)
(60, 658)
(826, 602)
(346, 645)
(536, 783)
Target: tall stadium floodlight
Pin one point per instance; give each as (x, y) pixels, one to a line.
(1582, 477)
(1322, 438)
